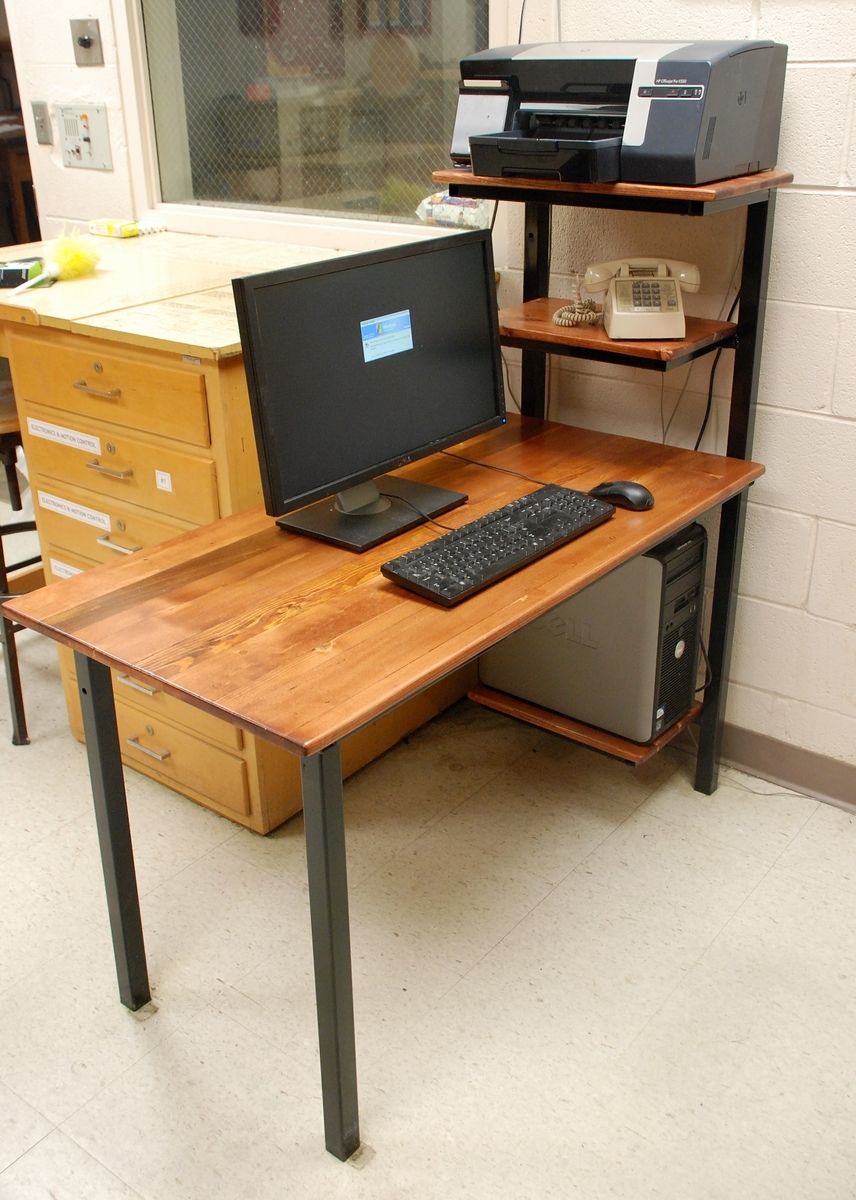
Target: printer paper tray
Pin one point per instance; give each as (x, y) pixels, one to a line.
(572, 160)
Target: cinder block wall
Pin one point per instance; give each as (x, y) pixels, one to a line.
(794, 663)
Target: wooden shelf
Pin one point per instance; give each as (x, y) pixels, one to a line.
(698, 200)
(575, 731)
(531, 326)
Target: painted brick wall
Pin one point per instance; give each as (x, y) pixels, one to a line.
(794, 665)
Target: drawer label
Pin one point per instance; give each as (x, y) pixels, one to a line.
(65, 437)
(77, 512)
(163, 481)
(61, 570)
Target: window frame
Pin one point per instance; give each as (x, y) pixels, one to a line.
(330, 231)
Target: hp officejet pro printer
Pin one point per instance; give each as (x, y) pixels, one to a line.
(647, 112)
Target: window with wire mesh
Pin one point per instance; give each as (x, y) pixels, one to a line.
(331, 106)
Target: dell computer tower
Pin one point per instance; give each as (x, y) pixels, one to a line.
(620, 655)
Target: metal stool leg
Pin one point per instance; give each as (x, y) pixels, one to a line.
(8, 629)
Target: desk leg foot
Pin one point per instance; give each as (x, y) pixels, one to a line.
(114, 833)
(331, 947)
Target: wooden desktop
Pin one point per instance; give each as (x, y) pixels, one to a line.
(315, 644)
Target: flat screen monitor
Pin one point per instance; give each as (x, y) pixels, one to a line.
(360, 364)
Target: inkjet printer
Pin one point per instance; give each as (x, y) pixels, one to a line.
(646, 112)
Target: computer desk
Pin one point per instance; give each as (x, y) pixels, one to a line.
(302, 643)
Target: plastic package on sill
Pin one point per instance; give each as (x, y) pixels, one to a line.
(455, 211)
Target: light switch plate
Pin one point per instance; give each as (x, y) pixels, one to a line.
(86, 39)
(84, 137)
(42, 121)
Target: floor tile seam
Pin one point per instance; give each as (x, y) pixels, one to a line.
(499, 941)
(134, 1193)
(40, 839)
(93, 929)
(713, 840)
(266, 1047)
(687, 971)
(794, 872)
(704, 950)
(152, 893)
(23, 1099)
(36, 1143)
(173, 1034)
(551, 883)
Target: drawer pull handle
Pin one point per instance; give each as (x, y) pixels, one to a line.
(160, 755)
(102, 393)
(95, 465)
(108, 545)
(137, 687)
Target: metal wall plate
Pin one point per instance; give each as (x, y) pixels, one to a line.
(84, 137)
(42, 122)
(86, 38)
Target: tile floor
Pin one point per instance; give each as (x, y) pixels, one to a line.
(572, 981)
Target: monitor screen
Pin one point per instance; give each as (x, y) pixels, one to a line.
(360, 364)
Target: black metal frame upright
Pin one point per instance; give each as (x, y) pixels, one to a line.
(747, 343)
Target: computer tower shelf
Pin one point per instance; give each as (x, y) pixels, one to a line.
(635, 753)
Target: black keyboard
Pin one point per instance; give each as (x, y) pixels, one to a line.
(455, 566)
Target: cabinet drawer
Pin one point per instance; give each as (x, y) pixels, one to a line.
(148, 396)
(179, 759)
(158, 706)
(95, 527)
(153, 706)
(61, 563)
(121, 466)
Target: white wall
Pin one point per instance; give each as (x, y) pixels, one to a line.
(794, 667)
(794, 664)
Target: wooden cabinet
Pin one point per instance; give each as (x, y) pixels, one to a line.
(129, 441)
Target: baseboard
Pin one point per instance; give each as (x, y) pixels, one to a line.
(794, 768)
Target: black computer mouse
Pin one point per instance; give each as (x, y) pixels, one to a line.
(625, 493)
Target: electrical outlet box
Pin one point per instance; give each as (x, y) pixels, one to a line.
(84, 137)
(86, 39)
(42, 122)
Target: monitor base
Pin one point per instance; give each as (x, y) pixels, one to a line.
(411, 503)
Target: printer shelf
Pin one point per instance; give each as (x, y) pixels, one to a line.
(701, 200)
(531, 324)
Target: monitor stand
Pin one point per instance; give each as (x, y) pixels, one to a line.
(365, 515)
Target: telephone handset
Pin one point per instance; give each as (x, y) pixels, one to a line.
(643, 295)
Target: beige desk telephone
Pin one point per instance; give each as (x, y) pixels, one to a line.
(643, 296)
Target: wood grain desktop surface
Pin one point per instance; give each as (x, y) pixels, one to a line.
(302, 642)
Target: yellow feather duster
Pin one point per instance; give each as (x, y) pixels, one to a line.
(70, 257)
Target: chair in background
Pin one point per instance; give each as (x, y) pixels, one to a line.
(10, 441)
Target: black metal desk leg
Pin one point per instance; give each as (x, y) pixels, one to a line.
(731, 522)
(324, 823)
(114, 833)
